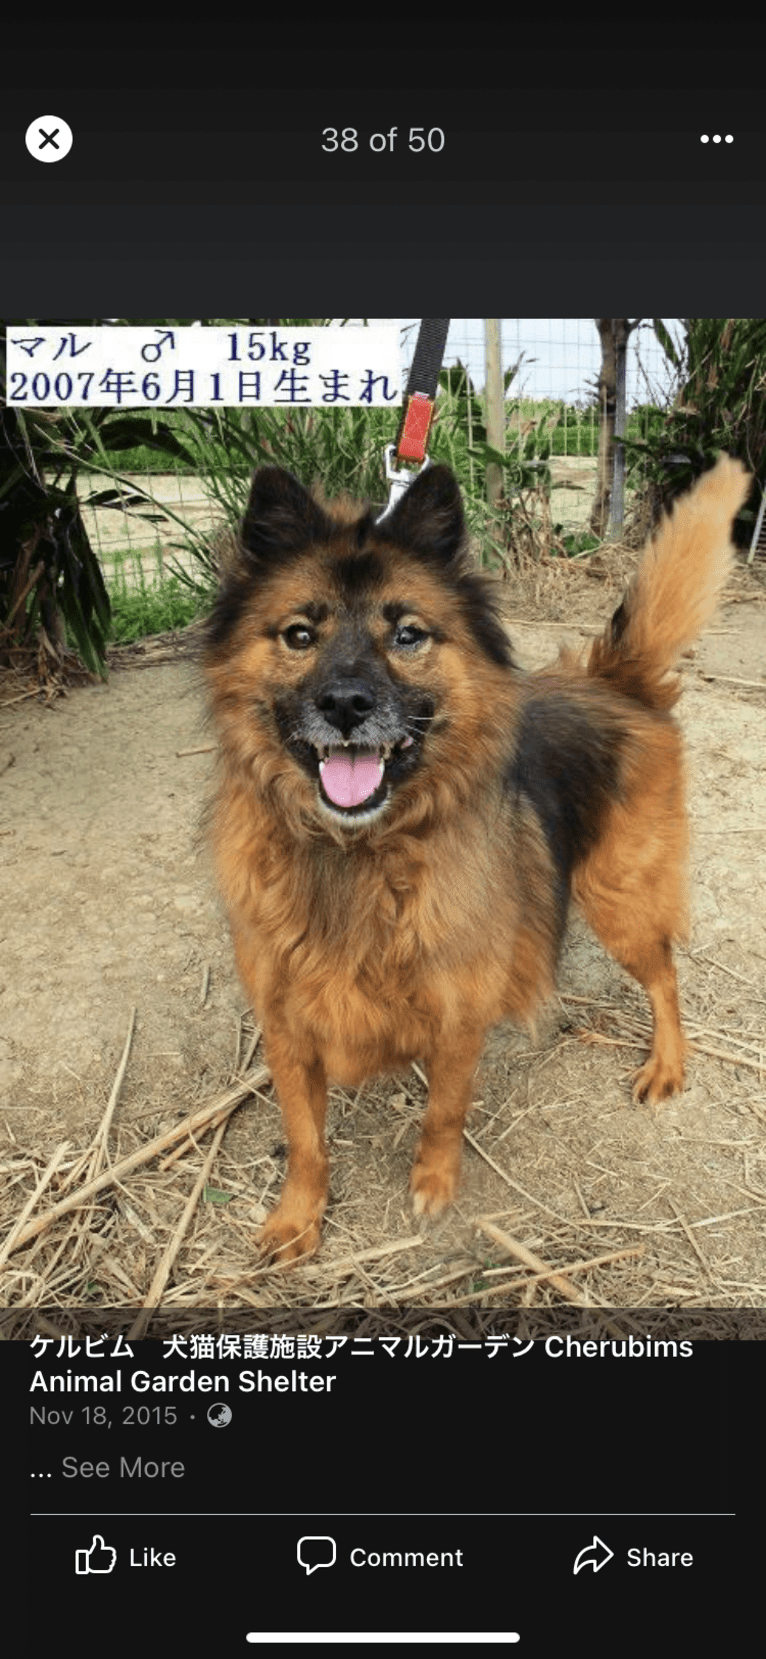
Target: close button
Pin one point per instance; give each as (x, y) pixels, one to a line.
(48, 138)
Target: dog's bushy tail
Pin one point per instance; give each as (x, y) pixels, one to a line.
(675, 591)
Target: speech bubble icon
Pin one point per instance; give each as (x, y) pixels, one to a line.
(314, 1551)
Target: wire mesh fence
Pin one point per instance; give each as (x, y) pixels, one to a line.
(550, 368)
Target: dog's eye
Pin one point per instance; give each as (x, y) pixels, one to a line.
(407, 635)
(298, 636)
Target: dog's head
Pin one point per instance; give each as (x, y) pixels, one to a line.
(362, 652)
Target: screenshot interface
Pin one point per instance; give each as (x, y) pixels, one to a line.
(382, 1108)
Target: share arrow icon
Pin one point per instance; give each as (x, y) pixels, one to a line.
(596, 1555)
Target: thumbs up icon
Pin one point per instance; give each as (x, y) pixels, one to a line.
(100, 1558)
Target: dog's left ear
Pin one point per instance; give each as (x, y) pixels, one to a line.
(428, 519)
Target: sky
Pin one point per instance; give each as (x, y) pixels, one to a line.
(561, 356)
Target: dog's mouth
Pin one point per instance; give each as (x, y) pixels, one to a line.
(353, 781)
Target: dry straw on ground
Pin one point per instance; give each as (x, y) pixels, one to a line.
(143, 1227)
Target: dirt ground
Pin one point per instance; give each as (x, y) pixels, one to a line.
(108, 906)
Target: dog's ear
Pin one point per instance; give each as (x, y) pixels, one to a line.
(428, 519)
(281, 518)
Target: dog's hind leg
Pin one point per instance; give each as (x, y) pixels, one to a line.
(663, 1072)
(652, 965)
(636, 919)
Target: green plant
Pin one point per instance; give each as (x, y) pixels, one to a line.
(717, 403)
(579, 542)
(140, 608)
(52, 591)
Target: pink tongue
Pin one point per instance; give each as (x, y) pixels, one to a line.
(348, 778)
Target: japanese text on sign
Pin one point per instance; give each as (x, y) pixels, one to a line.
(269, 367)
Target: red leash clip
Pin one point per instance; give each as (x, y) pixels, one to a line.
(411, 447)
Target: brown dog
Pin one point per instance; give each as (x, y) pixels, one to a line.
(403, 813)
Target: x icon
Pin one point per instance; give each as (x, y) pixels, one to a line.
(49, 138)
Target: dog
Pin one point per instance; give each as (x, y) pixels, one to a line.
(403, 814)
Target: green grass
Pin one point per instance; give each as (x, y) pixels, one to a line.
(571, 431)
(141, 606)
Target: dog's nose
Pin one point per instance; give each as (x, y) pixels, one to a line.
(345, 704)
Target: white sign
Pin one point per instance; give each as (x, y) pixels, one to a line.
(169, 368)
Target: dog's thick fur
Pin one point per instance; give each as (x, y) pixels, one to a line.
(403, 814)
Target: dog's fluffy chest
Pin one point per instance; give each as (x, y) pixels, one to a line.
(376, 960)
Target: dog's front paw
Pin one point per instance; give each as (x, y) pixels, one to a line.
(658, 1079)
(433, 1186)
(287, 1238)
